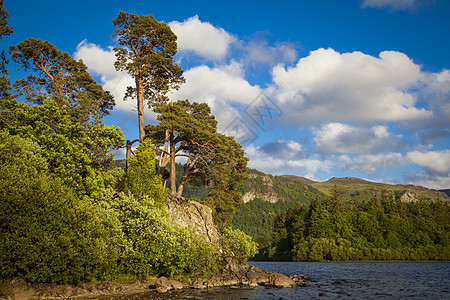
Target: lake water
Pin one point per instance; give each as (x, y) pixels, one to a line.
(348, 280)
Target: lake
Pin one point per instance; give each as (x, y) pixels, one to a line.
(338, 280)
(348, 280)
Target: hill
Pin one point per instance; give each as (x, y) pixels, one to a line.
(266, 196)
(356, 189)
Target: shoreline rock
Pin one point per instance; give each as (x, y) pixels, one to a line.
(233, 275)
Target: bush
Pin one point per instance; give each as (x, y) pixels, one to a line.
(47, 234)
(241, 246)
(148, 241)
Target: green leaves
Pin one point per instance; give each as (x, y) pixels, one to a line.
(142, 178)
(74, 152)
(56, 75)
(239, 244)
(148, 242)
(47, 233)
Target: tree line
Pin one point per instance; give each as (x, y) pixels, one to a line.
(379, 229)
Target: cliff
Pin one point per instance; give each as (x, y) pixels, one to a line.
(188, 213)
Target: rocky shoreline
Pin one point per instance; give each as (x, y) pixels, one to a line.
(234, 276)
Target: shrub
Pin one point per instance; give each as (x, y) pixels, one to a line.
(241, 245)
(47, 234)
(148, 241)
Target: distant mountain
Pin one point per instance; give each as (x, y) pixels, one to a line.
(300, 178)
(265, 196)
(351, 188)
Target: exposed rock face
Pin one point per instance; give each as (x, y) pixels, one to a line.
(188, 213)
(269, 195)
(409, 197)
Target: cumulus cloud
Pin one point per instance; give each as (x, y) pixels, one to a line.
(433, 161)
(259, 52)
(221, 87)
(282, 149)
(429, 181)
(436, 168)
(343, 138)
(330, 86)
(436, 92)
(262, 159)
(371, 163)
(395, 5)
(202, 38)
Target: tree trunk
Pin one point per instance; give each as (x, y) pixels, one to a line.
(140, 105)
(164, 157)
(173, 175)
(128, 153)
(187, 171)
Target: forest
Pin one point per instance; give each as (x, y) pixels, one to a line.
(379, 229)
(67, 213)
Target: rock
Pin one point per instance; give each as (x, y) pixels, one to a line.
(162, 289)
(281, 280)
(190, 213)
(163, 284)
(176, 285)
(21, 290)
(199, 284)
(257, 277)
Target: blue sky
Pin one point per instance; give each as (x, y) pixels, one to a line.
(355, 88)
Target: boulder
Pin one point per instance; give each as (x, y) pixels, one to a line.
(162, 284)
(176, 285)
(281, 280)
(199, 284)
(188, 213)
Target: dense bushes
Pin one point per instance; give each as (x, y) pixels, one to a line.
(148, 241)
(239, 244)
(47, 233)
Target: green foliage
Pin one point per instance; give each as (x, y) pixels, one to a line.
(241, 245)
(149, 242)
(380, 229)
(56, 75)
(4, 28)
(47, 233)
(142, 179)
(75, 153)
(189, 130)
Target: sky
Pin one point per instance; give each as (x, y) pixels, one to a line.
(320, 89)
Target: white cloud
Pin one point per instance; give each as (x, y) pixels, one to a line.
(434, 161)
(432, 182)
(396, 4)
(221, 87)
(202, 38)
(329, 86)
(266, 162)
(259, 52)
(371, 163)
(342, 138)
